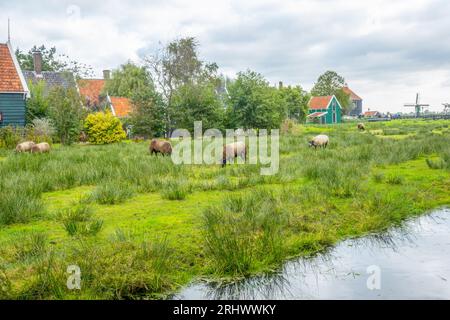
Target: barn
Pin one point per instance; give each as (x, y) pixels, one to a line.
(13, 88)
(324, 110)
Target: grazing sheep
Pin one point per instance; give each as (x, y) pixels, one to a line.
(41, 148)
(361, 127)
(320, 141)
(160, 146)
(25, 146)
(234, 150)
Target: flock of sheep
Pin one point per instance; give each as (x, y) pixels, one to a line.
(32, 147)
(230, 151)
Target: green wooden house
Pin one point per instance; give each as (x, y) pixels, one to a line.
(13, 89)
(324, 110)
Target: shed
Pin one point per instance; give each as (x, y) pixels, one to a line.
(324, 110)
(13, 88)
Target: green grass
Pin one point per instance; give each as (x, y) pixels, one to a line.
(140, 227)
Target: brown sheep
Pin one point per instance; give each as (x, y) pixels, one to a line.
(234, 150)
(41, 148)
(361, 127)
(25, 147)
(160, 146)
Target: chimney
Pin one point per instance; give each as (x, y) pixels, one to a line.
(106, 74)
(37, 61)
(280, 85)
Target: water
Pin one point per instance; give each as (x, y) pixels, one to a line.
(413, 260)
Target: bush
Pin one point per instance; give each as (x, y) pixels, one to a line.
(10, 137)
(104, 128)
(41, 130)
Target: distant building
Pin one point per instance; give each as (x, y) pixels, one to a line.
(372, 114)
(324, 110)
(52, 79)
(13, 88)
(95, 99)
(356, 100)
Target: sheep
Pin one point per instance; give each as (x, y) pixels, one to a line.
(234, 150)
(361, 127)
(160, 146)
(320, 141)
(41, 148)
(25, 146)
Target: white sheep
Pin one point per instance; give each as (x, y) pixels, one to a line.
(320, 141)
(41, 148)
(234, 150)
(25, 146)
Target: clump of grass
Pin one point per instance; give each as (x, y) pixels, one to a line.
(31, 246)
(111, 193)
(378, 177)
(244, 230)
(395, 179)
(175, 190)
(19, 207)
(436, 164)
(79, 221)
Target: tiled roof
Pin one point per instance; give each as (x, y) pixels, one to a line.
(9, 75)
(121, 106)
(353, 95)
(52, 79)
(91, 90)
(370, 113)
(317, 103)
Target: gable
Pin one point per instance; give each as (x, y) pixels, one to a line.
(353, 96)
(10, 76)
(120, 106)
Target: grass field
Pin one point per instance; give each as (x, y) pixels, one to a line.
(140, 227)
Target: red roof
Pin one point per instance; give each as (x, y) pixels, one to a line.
(9, 76)
(318, 103)
(353, 95)
(370, 113)
(121, 106)
(91, 89)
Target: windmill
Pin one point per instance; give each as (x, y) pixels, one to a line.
(417, 105)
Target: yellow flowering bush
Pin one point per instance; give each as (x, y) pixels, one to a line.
(103, 128)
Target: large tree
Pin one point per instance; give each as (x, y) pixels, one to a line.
(128, 80)
(330, 83)
(296, 100)
(177, 68)
(253, 103)
(51, 61)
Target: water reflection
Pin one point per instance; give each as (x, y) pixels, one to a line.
(414, 260)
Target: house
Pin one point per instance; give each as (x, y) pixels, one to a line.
(95, 99)
(357, 102)
(372, 114)
(13, 88)
(324, 110)
(51, 79)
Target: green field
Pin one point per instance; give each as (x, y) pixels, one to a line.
(140, 227)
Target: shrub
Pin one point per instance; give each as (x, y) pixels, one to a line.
(41, 130)
(9, 137)
(104, 128)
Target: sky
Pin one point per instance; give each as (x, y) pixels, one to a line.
(386, 50)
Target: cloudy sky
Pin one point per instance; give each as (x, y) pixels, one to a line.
(386, 50)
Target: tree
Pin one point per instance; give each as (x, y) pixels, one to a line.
(253, 103)
(296, 100)
(128, 80)
(53, 62)
(66, 113)
(37, 104)
(330, 83)
(147, 117)
(175, 66)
